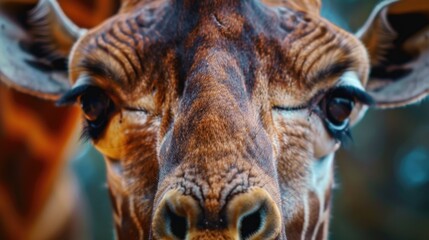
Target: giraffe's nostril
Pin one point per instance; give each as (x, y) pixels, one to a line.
(175, 216)
(177, 224)
(249, 216)
(251, 223)
(254, 215)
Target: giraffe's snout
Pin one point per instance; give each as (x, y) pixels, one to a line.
(250, 215)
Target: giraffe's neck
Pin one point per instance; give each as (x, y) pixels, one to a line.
(317, 212)
(311, 220)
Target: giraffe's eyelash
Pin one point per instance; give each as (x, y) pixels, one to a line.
(360, 96)
(354, 92)
(71, 96)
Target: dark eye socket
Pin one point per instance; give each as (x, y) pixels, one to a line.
(96, 107)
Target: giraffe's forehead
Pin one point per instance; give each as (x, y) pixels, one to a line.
(158, 49)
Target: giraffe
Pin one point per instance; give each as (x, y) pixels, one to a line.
(220, 119)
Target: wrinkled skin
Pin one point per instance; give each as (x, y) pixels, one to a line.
(208, 77)
(220, 119)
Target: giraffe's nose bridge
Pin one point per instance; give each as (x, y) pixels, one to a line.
(249, 215)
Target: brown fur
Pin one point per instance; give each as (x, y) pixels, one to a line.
(210, 74)
(220, 124)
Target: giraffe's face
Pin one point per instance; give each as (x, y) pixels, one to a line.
(220, 119)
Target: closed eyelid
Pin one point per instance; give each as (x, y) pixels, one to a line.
(135, 109)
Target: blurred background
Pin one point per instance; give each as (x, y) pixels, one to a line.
(382, 178)
(382, 189)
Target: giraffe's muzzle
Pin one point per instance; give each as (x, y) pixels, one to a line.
(250, 215)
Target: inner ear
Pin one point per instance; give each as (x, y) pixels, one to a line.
(396, 36)
(399, 51)
(34, 45)
(53, 33)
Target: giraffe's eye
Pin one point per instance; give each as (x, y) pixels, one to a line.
(96, 107)
(338, 110)
(337, 106)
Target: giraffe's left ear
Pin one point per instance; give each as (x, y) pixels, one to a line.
(34, 48)
(397, 38)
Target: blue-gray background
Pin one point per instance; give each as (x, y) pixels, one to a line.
(382, 179)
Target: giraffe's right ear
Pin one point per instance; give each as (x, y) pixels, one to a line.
(397, 38)
(34, 48)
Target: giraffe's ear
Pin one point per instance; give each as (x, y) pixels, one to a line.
(397, 38)
(34, 47)
(309, 6)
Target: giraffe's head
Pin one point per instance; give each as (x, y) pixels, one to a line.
(220, 119)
